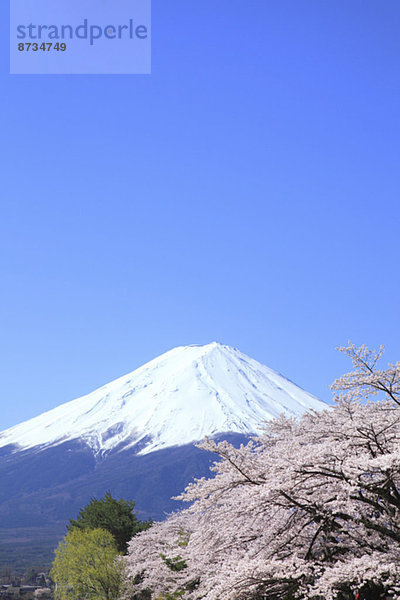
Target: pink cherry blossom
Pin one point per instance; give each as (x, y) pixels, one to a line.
(309, 509)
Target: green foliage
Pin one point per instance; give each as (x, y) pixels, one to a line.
(184, 538)
(115, 516)
(175, 564)
(85, 567)
(29, 576)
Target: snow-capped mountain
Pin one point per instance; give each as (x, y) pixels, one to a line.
(134, 438)
(177, 398)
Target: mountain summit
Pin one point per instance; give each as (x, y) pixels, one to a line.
(177, 398)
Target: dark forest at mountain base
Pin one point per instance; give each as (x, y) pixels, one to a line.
(43, 489)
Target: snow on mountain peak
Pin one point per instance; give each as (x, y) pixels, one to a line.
(175, 399)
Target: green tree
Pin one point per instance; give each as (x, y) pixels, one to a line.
(30, 576)
(115, 516)
(85, 566)
(6, 575)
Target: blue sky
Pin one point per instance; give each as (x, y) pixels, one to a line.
(246, 192)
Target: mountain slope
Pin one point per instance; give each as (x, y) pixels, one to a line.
(133, 437)
(177, 398)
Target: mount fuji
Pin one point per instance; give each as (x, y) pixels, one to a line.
(177, 398)
(134, 437)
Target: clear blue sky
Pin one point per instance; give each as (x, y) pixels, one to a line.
(248, 192)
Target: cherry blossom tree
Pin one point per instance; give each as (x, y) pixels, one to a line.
(309, 509)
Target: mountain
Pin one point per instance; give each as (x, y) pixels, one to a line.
(134, 437)
(177, 398)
